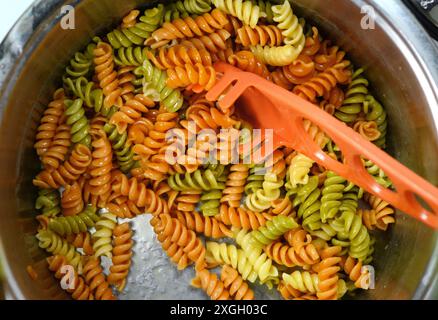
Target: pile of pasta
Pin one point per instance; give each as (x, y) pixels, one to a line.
(297, 227)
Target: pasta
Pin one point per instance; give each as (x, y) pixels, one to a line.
(49, 123)
(210, 283)
(234, 283)
(246, 11)
(122, 253)
(94, 277)
(138, 96)
(246, 61)
(136, 34)
(179, 56)
(273, 229)
(208, 226)
(241, 218)
(55, 245)
(57, 152)
(259, 35)
(189, 27)
(171, 99)
(75, 114)
(102, 237)
(48, 202)
(67, 173)
(65, 226)
(71, 201)
(230, 255)
(382, 213)
(81, 290)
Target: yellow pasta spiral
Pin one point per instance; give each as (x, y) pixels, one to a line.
(102, 237)
(276, 56)
(245, 11)
(304, 282)
(289, 23)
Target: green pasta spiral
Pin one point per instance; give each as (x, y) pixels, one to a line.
(65, 226)
(132, 56)
(331, 196)
(81, 64)
(355, 98)
(136, 35)
(210, 200)
(55, 245)
(184, 8)
(91, 95)
(357, 234)
(378, 114)
(203, 180)
(263, 198)
(80, 128)
(255, 179)
(122, 148)
(48, 202)
(266, 9)
(302, 281)
(378, 174)
(273, 230)
(308, 196)
(172, 99)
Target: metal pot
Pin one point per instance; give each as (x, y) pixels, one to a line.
(401, 62)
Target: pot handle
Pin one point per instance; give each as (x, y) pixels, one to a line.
(423, 10)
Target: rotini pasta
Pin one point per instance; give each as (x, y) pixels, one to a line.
(208, 226)
(238, 288)
(57, 152)
(246, 61)
(383, 213)
(210, 283)
(48, 202)
(273, 230)
(122, 253)
(94, 277)
(71, 200)
(102, 237)
(80, 129)
(269, 35)
(241, 218)
(291, 26)
(246, 11)
(65, 226)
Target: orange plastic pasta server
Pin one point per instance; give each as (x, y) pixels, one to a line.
(268, 106)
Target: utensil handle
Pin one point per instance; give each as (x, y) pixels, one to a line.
(354, 147)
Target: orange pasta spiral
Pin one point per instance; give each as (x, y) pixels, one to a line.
(208, 226)
(71, 201)
(242, 218)
(107, 76)
(187, 200)
(259, 35)
(197, 77)
(82, 241)
(49, 122)
(213, 42)
(139, 196)
(301, 241)
(327, 271)
(206, 117)
(156, 140)
(55, 155)
(185, 238)
(155, 168)
(283, 207)
(131, 19)
(68, 172)
(289, 293)
(328, 56)
(139, 130)
(101, 166)
(300, 71)
(324, 82)
(122, 254)
(172, 249)
(190, 27)
(277, 164)
(235, 185)
(353, 268)
(313, 44)
(179, 56)
(126, 77)
(95, 278)
(367, 129)
(384, 213)
(238, 288)
(285, 255)
(247, 61)
(131, 111)
(81, 290)
(210, 283)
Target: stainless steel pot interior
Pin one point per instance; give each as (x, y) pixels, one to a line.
(401, 64)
